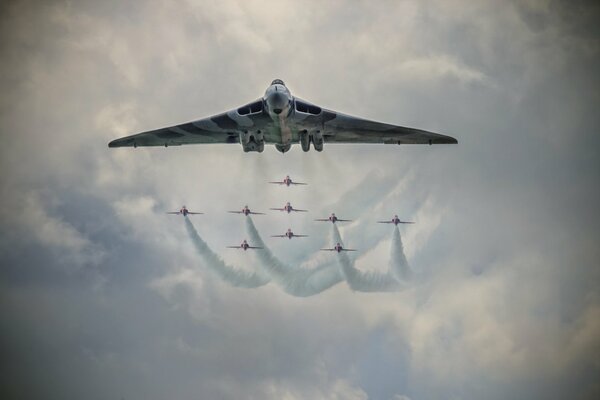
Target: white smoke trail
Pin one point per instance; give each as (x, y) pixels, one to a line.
(300, 282)
(360, 281)
(398, 263)
(232, 275)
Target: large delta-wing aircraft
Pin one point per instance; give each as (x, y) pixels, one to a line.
(281, 119)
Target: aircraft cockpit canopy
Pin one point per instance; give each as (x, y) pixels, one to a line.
(277, 82)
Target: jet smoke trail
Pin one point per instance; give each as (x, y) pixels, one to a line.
(372, 281)
(232, 275)
(300, 282)
(398, 263)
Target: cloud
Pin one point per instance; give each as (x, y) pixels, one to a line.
(505, 240)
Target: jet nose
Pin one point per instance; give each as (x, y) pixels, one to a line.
(277, 101)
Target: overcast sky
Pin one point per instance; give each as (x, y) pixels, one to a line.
(103, 296)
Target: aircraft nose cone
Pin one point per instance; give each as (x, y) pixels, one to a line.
(277, 101)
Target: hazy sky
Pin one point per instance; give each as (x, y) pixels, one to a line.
(102, 296)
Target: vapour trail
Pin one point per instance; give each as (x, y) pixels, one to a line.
(398, 263)
(300, 282)
(372, 281)
(234, 276)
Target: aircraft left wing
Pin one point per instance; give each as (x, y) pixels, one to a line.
(221, 128)
(342, 128)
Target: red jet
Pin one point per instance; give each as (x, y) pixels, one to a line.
(244, 246)
(287, 181)
(184, 211)
(338, 247)
(289, 234)
(332, 218)
(395, 221)
(288, 207)
(246, 211)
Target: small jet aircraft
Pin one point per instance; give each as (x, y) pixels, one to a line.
(246, 211)
(332, 218)
(244, 246)
(288, 207)
(281, 119)
(287, 181)
(338, 247)
(184, 211)
(395, 221)
(289, 234)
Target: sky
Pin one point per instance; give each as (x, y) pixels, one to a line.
(104, 296)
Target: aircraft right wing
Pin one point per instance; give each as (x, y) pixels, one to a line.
(173, 212)
(341, 128)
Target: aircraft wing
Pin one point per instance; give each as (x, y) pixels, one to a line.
(322, 219)
(277, 209)
(328, 250)
(300, 235)
(254, 247)
(195, 213)
(277, 183)
(221, 128)
(348, 250)
(299, 183)
(256, 213)
(344, 220)
(233, 247)
(173, 212)
(341, 128)
(281, 236)
(295, 209)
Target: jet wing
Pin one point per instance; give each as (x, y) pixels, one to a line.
(281, 236)
(344, 220)
(299, 183)
(341, 128)
(277, 209)
(254, 247)
(235, 212)
(277, 183)
(221, 128)
(295, 209)
(173, 212)
(256, 213)
(300, 235)
(195, 213)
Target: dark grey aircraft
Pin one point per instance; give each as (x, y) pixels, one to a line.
(281, 119)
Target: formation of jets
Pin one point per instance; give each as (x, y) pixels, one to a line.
(280, 119)
(288, 208)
